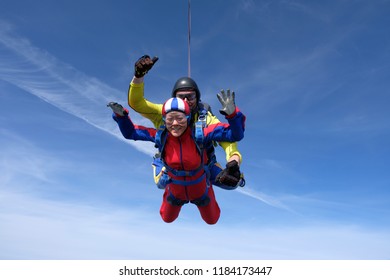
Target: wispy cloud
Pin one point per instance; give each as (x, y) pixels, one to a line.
(17, 152)
(267, 199)
(41, 74)
(66, 230)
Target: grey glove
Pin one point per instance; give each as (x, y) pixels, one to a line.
(227, 101)
(117, 108)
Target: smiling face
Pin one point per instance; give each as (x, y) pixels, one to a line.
(176, 123)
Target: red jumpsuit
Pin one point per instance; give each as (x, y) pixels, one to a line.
(181, 153)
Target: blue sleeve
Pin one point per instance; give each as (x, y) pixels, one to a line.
(222, 132)
(134, 132)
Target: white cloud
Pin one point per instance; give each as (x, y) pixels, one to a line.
(21, 160)
(39, 73)
(34, 228)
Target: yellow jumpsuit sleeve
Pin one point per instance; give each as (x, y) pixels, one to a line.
(230, 148)
(147, 109)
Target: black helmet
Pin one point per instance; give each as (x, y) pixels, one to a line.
(186, 83)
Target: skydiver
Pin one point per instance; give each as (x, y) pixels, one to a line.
(185, 176)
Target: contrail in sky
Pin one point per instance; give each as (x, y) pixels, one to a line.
(61, 85)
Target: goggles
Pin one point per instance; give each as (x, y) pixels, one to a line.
(179, 119)
(191, 96)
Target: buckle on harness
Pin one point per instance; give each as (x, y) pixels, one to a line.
(202, 118)
(164, 180)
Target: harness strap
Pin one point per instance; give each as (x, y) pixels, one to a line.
(199, 126)
(160, 138)
(199, 135)
(188, 183)
(184, 172)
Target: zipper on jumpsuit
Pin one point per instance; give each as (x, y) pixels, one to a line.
(182, 166)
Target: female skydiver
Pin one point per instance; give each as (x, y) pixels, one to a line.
(186, 176)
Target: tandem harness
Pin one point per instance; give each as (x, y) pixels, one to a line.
(165, 179)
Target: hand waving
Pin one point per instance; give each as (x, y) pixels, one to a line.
(227, 101)
(143, 65)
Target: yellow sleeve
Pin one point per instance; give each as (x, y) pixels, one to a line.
(147, 109)
(230, 148)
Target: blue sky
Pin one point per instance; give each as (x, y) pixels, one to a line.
(312, 77)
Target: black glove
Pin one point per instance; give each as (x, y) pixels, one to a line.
(143, 65)
(231, 175)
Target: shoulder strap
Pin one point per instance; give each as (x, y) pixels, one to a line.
(203, 110)
(200, 124)
(205, 106)
(160, 138)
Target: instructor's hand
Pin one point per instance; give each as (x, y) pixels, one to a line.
(227, 102)
(143, 65)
